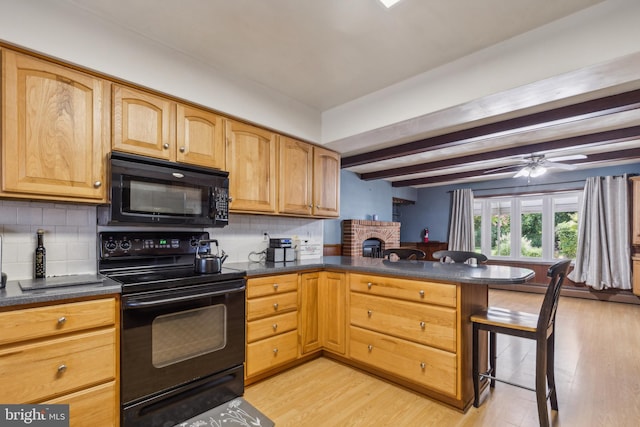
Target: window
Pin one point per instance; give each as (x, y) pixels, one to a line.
(541, 227)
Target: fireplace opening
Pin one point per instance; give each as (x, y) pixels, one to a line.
(372, 248)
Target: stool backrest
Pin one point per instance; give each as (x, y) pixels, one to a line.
(547, 317)
(404, 253)
(459, 256)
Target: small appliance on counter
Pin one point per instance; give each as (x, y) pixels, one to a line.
(280, 250)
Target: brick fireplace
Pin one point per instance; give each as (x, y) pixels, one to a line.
(356, 231)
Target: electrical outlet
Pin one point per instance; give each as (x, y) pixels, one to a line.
(265, 236)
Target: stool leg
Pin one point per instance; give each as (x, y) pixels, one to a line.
(541, 381)
(476, 369)
(492, 357)
(551, 380)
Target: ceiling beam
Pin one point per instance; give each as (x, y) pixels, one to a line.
(588, 109)
(631, 153)
(616, 135)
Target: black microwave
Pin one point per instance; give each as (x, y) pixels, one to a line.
(150, 191)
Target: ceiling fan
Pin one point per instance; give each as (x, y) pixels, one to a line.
(537, 164)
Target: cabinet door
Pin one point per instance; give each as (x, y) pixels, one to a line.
(143, 124)
(332, 307)
(54, 130)
(296, 177)
(636, 277)
(251, 161)
(199, 137)
(309, 331)
(326, 183)
(636, 211)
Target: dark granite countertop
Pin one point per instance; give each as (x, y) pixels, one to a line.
(75, 286)
(56, 289)
(458, 273)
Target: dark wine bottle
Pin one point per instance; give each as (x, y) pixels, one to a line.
(41, 257)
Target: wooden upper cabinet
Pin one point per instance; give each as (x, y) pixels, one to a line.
(143, 123)
(251, 162)
(296, 177)
(326, 183)
(199, 137)
(54, 131)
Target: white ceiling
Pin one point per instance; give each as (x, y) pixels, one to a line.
(324, 53)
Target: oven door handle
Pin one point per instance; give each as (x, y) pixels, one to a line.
(136, 303)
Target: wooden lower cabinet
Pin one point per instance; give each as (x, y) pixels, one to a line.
(418, 363)
(309, 319)
(636, 276)
(414, 332)
(93, 406)
(272, 323)
(71, 351)
(271, 352)
(332, 295)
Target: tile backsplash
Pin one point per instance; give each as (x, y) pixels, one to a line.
(71, 236)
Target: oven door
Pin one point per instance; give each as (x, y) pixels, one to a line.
(172, 337)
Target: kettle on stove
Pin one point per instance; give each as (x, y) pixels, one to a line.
(208, 263)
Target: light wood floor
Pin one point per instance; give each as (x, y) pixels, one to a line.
(597, 376)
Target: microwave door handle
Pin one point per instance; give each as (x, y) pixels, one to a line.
(157, 302)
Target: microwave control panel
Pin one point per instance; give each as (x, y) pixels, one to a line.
(220, 208)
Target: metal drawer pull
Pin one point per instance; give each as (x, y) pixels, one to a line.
(275, 286)
(165, 146)
(369, 285)
(275, 306)
(62, 320)
(423, 365)
(422, 325)
(62, 368)
(421, 293)
(275, 326)
(370, 347)
(369, 313)
(275, 350)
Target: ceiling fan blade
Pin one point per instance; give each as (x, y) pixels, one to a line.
(559, 166)
(564, 158)
(526, 171)
(503, 169)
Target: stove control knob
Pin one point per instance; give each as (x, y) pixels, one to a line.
(125, 245)
(110, 245)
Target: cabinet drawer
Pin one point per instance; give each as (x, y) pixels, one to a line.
(411, 290)
(272, 285)
(32, 372)
(426, 324)
(267, 306)
(270, 326)
(430, 367)
(25, 324)
(95, 406)
(271, 352)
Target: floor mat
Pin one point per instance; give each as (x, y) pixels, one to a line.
(237, 412)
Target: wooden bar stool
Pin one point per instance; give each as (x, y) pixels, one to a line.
(539, 327)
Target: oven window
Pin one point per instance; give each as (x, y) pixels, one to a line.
(156, 197)
(177, 337)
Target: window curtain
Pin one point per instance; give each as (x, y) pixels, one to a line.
(603, 257)
(461, 236)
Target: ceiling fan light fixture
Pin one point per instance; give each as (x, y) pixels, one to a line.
(537, 171)
(526, 171)
(389, 3)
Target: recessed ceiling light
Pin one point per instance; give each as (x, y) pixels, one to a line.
(389, 3)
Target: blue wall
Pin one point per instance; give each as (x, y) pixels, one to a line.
(360, 200)
(433, 204)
